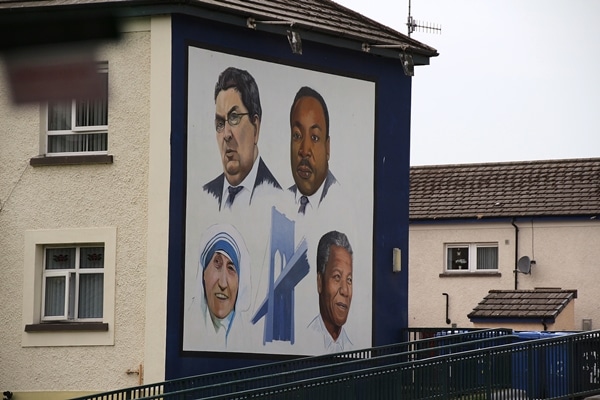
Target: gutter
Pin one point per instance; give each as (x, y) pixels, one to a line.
(516, 272)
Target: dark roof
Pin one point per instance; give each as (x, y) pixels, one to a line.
(511, 189)
(523, 304)
(321, 17)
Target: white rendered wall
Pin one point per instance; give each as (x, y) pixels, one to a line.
(158, 201)
(73, 197)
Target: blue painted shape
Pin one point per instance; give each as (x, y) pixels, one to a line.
(278, 305)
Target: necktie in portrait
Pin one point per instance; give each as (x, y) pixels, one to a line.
(303, 203)
(233, 191)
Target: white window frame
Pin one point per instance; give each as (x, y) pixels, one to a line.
(472, 258)
(71, 277)
(36, 241)
(76, 130)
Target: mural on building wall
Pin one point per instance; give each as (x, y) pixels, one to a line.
(279, 207)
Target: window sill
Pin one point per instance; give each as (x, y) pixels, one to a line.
(463, 274)
(71, 160)
(67, 326)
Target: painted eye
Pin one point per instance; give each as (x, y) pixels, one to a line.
(219, 125)
(233, 118)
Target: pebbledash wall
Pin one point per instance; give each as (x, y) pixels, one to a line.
(565, 251)
(78, 203)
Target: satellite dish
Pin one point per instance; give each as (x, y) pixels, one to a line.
(524, 265)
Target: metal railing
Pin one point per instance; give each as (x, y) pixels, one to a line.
(409, 350)
(444, 367)
(549, 368)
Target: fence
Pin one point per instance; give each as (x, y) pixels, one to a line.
(243, 374)
(557, 367)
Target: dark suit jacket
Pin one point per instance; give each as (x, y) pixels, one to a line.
(329, 180)
(263, 177)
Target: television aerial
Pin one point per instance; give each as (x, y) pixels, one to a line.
(424, 26)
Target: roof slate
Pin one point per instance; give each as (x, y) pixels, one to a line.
(322, 16)
(528, 304)
(569, 187)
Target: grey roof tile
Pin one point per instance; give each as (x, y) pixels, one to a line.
(513, 189)
(518, 304)
(322, 16)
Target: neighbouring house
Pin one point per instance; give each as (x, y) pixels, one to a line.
(497, 230)
(115, 228)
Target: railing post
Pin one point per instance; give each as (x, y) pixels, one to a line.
(530, 371)
(489, 371)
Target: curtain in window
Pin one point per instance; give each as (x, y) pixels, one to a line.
(78, 142)
(91, 295)
(91, 286)
(92, 113)
(55, 296)
(487, 258)
(59, 116)
(87, 113)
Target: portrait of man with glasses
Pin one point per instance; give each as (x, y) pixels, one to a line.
(238, 116)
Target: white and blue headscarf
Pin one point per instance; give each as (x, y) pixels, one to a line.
(223, 243)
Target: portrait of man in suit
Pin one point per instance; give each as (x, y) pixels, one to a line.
(334, 285)
(238, 115)
(310, 149)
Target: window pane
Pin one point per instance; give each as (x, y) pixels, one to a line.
(78, 142)
(487, 258)
(94, 112)
(55, 296)
(92, 257)
(59, 116)
(63, 258)
(91, 295)
(458, 258)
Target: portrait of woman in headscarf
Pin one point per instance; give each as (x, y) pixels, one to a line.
(222, 287)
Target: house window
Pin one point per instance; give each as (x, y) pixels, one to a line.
(69, 287)
(472, 257)
(73, 283)
(79, 126)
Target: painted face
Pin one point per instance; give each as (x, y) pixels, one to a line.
(309, 145)
(335, 290)
(237, 143)
(221, 283)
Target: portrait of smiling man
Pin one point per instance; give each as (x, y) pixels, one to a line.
(334, 285)
(238, 116)
(310, 149)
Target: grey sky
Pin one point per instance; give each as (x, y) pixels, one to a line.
(515, 80)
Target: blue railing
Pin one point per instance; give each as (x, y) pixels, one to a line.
(422, 348)
(444, 337)
(446, 367)
(341, 366)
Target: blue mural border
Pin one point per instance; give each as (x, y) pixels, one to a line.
(391, 168)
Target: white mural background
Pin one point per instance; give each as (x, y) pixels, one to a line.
(351, 104)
